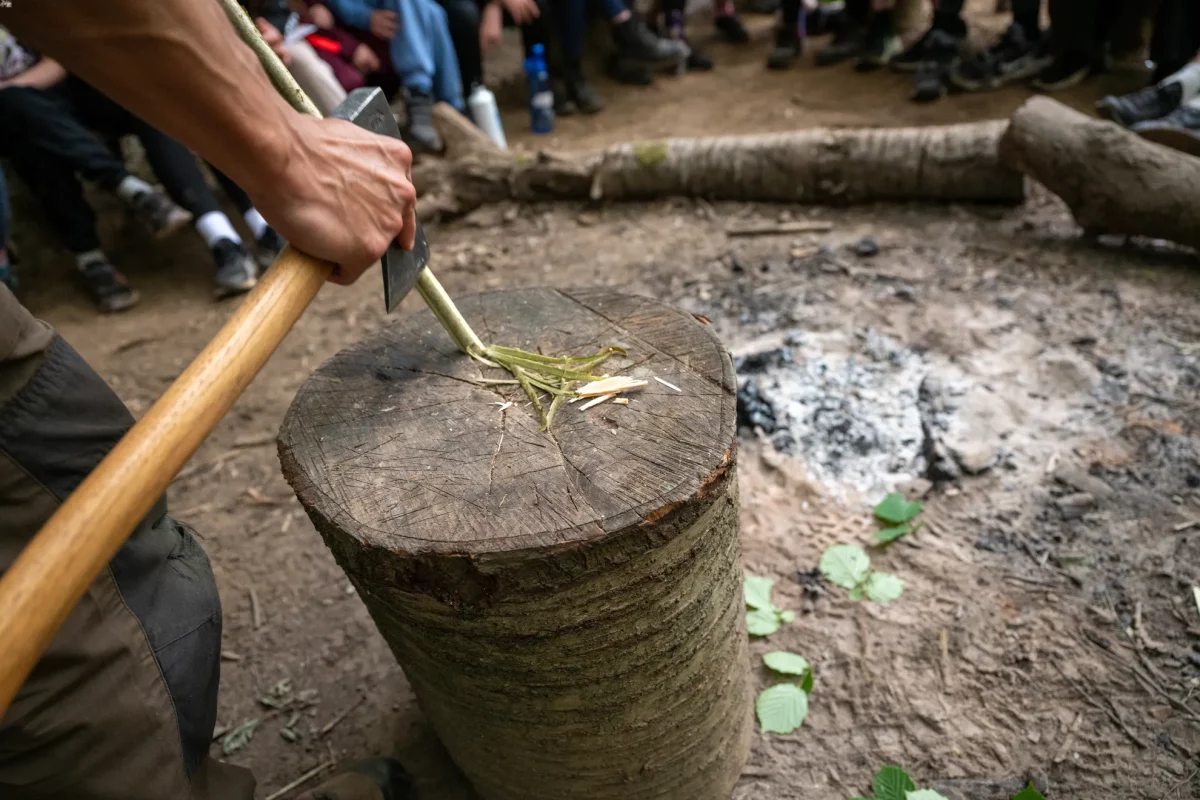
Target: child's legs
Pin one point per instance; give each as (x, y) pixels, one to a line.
(462, 17)
(571, 16)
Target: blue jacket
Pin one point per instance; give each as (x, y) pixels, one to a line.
(357, 13)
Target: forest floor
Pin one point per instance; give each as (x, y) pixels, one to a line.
(1048, 627)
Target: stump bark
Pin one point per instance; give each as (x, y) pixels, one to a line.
(947, 163)
(567, 605)
(1112, 180)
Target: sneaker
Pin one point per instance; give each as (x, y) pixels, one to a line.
(107, 287)
(235, 269)
(942, 53)
(268, 247)
(845, 45)
(581, 94)
(1017, 56)
(420, 134)
(564, 105)
(731, 28)
(381, 778)
(1153, 102)
(161, 216)
(1063, 73)
(1179, 130)
(787, 49)
(634, 41)
(915, 54)
(628, 71)
(881, 46)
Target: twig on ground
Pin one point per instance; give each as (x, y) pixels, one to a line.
(1061, 755)
(303, 779)
(1110, 710)
(229, 655)
(255, 609)
(261, 440)
(333, 723)
(779, 228)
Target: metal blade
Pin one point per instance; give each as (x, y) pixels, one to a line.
(401, 268)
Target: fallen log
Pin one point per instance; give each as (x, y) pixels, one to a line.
(827, 166)
(1111, 179)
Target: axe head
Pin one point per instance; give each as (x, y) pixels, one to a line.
(368, 108)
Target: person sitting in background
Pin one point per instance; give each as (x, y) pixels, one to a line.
(849, 27)
(413, 37)
(1167, 112)
(881, 43)
(278, 24)
(674, 28)
(1021, 53)
(790, 32)
(45, 116)
(1081, 30)
(636, 48)
(353, 62)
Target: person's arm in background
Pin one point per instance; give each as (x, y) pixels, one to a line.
(328, 186)
(352, 13)
(42, 75)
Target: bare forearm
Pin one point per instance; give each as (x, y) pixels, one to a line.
(42, 75)
(227, 112)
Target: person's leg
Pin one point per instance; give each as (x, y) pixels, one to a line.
(447, 77)
(315, 76)
(1078, 43)
(267, 242)
(849, 34)
(6, 276)
(789, 35)
(948, 20)
(882, 43)
(462, 17)
(1019, 54)
(1178, 89)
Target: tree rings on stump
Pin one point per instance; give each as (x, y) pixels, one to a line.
(567, 605)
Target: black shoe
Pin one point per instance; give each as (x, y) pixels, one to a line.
(1153, 102)
(915, 54)
(881, 44)
(1063, 73)
(1016, 57)
(581, 94)
(268, 247)
(235, 269)
(846, 44)
(161, 216)
(941, 53)
(698, 61)
(732, 29)
(108, 288)
(628, 71)
(564, 105)
(787, 48)
(635, 41)
(419, 131)
(1179, 130)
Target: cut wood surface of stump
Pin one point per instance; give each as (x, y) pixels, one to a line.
(566, 604)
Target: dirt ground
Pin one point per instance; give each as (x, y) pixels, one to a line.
(1048, 627)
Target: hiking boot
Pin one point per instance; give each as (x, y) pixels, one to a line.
(268, 247)
(634, 41)
(580, 93)
(161, 216)
(881, 45)
(564, 106)
(915, 54)
(1063, 73)
(788, 47)
(1153, 102)
(419, 131)
(373, 779)
(1179, 130)
(941, 54)
(628, 71)
(731, 28)
(107, 287)
(235, 269)
(845, 45)
(1017, 56)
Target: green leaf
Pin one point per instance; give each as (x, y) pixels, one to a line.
(807, 683)
(891, 534)
(924, 794)
(1029, 793)
(782, 708)
(896, 510)
(883, 587)
(239, 737)
(858, 592)
(762, 622)
(786, 663)
(845, 565)
(758, 592)
(787, 616)
(892, 783)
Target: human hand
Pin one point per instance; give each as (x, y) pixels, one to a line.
(273, 38)
(365, 60)
(384, 24)
(491, 26)
(321, 16)
(343, 194)
(522, 11)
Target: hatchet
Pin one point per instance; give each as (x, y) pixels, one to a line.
(56, 567)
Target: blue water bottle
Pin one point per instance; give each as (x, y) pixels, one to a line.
(541, 96)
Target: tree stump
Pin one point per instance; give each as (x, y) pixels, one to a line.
(567, 605)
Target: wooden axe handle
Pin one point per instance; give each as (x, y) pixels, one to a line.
(55, 569)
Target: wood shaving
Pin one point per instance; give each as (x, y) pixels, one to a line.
(504, 406)
(668, 385)
(618, 383)
(595, 402)
(621, 401)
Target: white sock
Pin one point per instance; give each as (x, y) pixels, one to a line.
(258, 225)
(130, 187)
(1189, 76)
(215, 226)
(88, 257)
